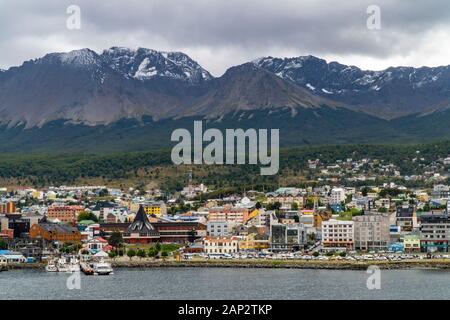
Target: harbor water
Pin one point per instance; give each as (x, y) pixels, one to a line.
(226, 283)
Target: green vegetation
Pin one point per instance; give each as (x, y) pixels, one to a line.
(3, 244)
(87, 216)
(116, 239)
(348, 215)
(142, 168)
(141, 253)
(131, 253)
(69, 247)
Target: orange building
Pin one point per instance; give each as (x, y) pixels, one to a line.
(55, 232)
(229, 214)
(66, 214)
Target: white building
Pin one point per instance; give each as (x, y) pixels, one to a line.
(338, 235)
(337, 196)
(221, 244)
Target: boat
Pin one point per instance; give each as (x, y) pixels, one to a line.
(74, 267)
(62, 265)
(51, 267)
(102, 268)
(86, 269)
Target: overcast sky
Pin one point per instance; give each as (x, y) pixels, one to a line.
(220, 34)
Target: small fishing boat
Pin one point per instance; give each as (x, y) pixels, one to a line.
(62, 265)
(51, 267)
(102, 268)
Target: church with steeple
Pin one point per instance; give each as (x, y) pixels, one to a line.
(141, 230)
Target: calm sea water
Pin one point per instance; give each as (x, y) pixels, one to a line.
(218, 283)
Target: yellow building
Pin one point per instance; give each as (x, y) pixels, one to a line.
(150, 208)
(411, 243)
(423, 197)
(250, 242)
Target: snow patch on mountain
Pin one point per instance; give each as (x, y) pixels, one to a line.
(144, 64)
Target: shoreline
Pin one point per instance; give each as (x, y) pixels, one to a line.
(436, 264)
(288, 264)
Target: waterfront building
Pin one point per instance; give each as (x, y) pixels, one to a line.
(338, 235)
(221, 244)
(55, 232)
(287, 237)
(169, 232)
(252, 242)
(96, 245)
(141, 230)
(372, 232)
(7, 256)
(411, 243)
(434, 231)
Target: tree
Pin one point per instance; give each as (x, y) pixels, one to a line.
(116, 239)
(294, 206)
(152, 252)
(112, 254)
(141, 253)
(164, 254)
(365, 191)
(158, 247)
(3, 244)
(131, 253)
(274, 206)
(84, 215)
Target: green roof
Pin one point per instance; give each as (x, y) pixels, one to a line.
(86, 222)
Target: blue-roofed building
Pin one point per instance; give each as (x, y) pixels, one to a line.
(7, 256)
(396, 247)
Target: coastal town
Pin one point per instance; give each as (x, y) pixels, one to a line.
(387, 222)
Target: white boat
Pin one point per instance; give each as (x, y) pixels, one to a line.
(103, 268)
(74, 267)
(51, 267)
(62, 265)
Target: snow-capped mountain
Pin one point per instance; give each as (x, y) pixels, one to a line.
(303, 95)
(390, 93)
(144, 64)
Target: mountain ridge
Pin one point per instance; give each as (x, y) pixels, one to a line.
(118, 89)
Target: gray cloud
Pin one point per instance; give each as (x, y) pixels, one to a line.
(219, 34)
